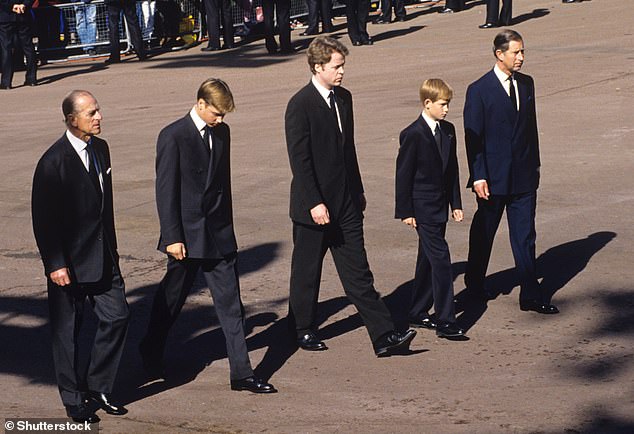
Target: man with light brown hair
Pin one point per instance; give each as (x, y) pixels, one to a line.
(327, 203)
(193, 197)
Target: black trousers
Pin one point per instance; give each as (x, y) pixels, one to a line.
(317, 8)
(282, 9)
(455, 5)
(344, 239)
(506, 14)
(222, 277)
(433, 280)
(24, 33)
(520, 213)
(129, 10)
(66, 307)
(357, 12)
(399, 9)
(214, 9)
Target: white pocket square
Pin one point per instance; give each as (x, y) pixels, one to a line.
(109, 170)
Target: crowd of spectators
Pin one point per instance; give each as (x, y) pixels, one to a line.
(81, 27)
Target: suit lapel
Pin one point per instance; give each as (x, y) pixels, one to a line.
(429, 134)
(446, 145)
(501, 95)
(77, 170)
(217, 148)
(343, 112)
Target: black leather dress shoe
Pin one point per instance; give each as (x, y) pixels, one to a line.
(210, 48)
(30, 83)
(5, 86)
(487, 26)
(112, 60)
(81, 414)
(368, 42)
(254, 385)
(423, 322)
(393, 343)
(310, 342)
(569, 1)
(450, 331)
(357, 43)
(103, 400)
(381, 21)
(446, 11)
(539, 307)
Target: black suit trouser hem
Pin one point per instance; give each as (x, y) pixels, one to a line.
(520, 213)
(221, 276)
(433, 280)
(344, 239)
(66, 306)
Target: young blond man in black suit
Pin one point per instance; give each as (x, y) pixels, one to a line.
(193, 197)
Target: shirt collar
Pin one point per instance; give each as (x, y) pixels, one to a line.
(325, 93)
(501, 75)
(76, 142)
(200, 124)
(432, 123)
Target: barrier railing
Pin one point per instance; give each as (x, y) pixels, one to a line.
(75, 30)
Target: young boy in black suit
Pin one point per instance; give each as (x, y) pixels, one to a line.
(426, 185)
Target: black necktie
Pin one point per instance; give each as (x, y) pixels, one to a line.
(512, 93)
(208, 139)
(93, 168)
(333, 107)
(206, 136)
(437, 136)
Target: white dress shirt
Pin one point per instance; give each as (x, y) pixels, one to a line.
(504, 79)
(200, 124)
(80, 147)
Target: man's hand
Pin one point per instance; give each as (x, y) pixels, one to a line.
(410, 221)
(320, 214)
(61, 277)
(177, 251)
(457, 215)
(481, 189)
(19, 9)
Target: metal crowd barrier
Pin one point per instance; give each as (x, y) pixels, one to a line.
(56, 36)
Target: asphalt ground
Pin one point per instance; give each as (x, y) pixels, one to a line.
(519, 373)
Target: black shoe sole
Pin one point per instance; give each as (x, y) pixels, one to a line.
(395, 349)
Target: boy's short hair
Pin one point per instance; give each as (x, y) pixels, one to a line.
(320, 51)
(435, 89)
(216, 92)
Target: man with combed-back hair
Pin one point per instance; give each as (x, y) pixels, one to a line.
(500, 124)
(193, 197)
(327, 203)
(73, 223)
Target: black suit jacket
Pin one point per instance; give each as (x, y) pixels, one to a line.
(502, 144)
(323, 161)
(426, 178)
(193, 190)
(70, 221)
